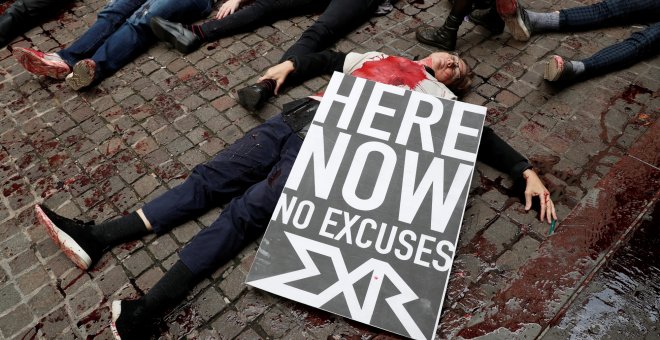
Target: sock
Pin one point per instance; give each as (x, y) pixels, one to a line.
(196, 29)
(119, 230)
(578, 67)
(543, 21)
(170, 289)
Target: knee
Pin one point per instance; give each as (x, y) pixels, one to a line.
(320, 31)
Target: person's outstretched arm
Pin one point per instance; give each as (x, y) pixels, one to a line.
(497, 153)
(298, 69)
(229, 7)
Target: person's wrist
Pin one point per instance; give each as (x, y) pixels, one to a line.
(290, 67)
(527, 173)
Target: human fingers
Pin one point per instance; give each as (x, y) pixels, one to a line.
(528, 200)
(544, 204)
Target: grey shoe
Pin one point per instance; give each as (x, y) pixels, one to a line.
(183, 39)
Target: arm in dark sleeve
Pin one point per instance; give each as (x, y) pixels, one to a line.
(500, 155)
(313, 65)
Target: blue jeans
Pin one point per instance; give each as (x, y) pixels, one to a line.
(121, 31)
(250, 175)
(638, 46)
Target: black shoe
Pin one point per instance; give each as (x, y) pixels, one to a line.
(72, 236)
(184, 40)
(130, 320)
(254, 96)
(487, 18)
(441, 37)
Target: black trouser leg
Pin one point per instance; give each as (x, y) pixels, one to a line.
(23, 15)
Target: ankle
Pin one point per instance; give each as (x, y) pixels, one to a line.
(541, 22)
(119, 230)
(196, 30)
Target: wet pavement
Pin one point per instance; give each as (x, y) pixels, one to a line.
(623, 299)
(101, 153)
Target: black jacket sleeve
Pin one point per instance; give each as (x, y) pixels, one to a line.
(313, 65)
(497, 153)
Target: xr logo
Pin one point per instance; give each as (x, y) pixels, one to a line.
(344, 285)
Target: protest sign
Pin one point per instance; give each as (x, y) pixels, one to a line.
(368, 222)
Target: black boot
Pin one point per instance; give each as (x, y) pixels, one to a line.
(136, 319)
(442, 37)
(183, 39)
(488, 18)
(254, 96)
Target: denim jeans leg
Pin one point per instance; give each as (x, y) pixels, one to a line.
(113, 15)
(135, 36)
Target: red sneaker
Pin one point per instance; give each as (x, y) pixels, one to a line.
(83, 74)
(41, 64)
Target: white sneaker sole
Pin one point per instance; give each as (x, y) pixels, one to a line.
(116, 311)
(517, 26)
(68, 245)
(554, 69)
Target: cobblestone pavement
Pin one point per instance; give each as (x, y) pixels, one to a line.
(104, 152)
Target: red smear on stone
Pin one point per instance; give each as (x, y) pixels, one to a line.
(56, 160)
(593, 229)
(631, 92)
(75, 279)
(46, 146)
(393, 70)
(171, 170)
(223, 80)
(317, 318)
(494, 114)
(103, 172)
(187, 319)
(14, 187)
(628, 95)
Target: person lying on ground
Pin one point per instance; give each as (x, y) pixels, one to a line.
(120, 34)
(22, 15)
(524, 23)
(338, 18)
(250, 185)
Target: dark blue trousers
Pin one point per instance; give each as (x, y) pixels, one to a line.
(608, 13)
(250, 175)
